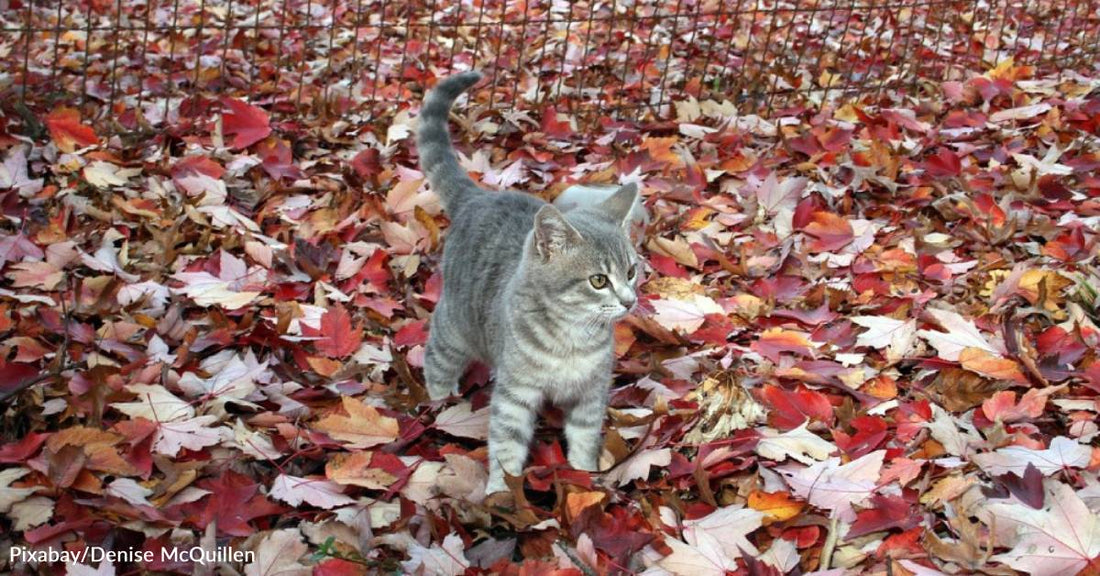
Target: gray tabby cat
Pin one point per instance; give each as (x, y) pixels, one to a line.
(529, 291)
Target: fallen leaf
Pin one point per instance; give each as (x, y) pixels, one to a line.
(363, 427)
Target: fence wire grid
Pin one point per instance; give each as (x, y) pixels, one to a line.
(621, 57)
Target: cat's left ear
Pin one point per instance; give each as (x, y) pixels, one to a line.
(620, 204)
(552, 233)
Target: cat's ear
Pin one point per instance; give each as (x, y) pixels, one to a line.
(552, 232)
(621, 203)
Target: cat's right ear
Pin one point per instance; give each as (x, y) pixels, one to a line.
(552, 233)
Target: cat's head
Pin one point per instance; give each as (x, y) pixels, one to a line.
(585, 257)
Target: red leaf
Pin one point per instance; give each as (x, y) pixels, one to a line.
(23, 449)
(945, 164)
(277, 158)
(885, 512)
(247, 124)
(870, 432)
(553, 127)
(234, 501)
(67, 131)
(1029, 488)
(791, 409)
(412, 334)
(367, 163)
(14, 375)
(338, 337)
(338, 567)
(197, 164)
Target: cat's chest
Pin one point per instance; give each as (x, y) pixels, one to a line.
(564, 371)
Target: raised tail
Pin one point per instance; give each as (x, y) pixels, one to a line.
(437, 157)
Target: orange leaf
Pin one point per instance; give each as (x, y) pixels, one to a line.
(988, 365)
(323, 366)
(830, 232)
(67, 131)
(355, 469)
(779, 506)
(776, 340)
(576, 502)
(363, 427)
(1002, 406)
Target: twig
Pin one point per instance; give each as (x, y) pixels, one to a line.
(584, 568)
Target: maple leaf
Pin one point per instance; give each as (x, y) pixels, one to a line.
(834, 487)
(686, 314)
(1060, 539)
(363, 427)
(192, 434)
(10, 496)
(1002, 406)
(33, 511)
(944, 164)
(154, 402)
(712, 544)
(247, 124)
(278, 554)
(460, 420)
(884, 513)
(16, 247)
(67, 131)
(793, 408)
(14, 174)
(775, 341)
(233, 379)
(1063, 453)
(313, 491)
(982, 362)
(830, 232)
(232, 500)
(799, 444)
(638, 466)
(374, 470)
(778, 506)
(448, 559)
(961, 334)
(896, 336)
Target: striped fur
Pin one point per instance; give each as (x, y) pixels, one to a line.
(437, 158)
(518, 295)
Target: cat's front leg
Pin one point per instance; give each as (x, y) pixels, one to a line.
(583, 424)
(513, 415)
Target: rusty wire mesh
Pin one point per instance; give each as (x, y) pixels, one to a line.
(627, 57)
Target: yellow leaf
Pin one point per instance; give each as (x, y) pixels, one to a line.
(363, 427)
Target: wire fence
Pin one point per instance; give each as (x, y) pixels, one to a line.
(121, 60)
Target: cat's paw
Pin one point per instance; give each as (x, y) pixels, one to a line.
(495, 484)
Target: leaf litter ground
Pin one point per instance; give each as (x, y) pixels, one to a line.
(866, 341)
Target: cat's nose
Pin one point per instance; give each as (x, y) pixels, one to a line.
(628, 300)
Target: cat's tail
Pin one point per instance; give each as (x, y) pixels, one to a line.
(437, 157)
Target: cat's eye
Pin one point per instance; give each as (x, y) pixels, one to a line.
(599, 281)
(633, 270)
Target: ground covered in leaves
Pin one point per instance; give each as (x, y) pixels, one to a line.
(866, 341)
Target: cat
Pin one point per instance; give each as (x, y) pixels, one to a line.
(529, 291)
